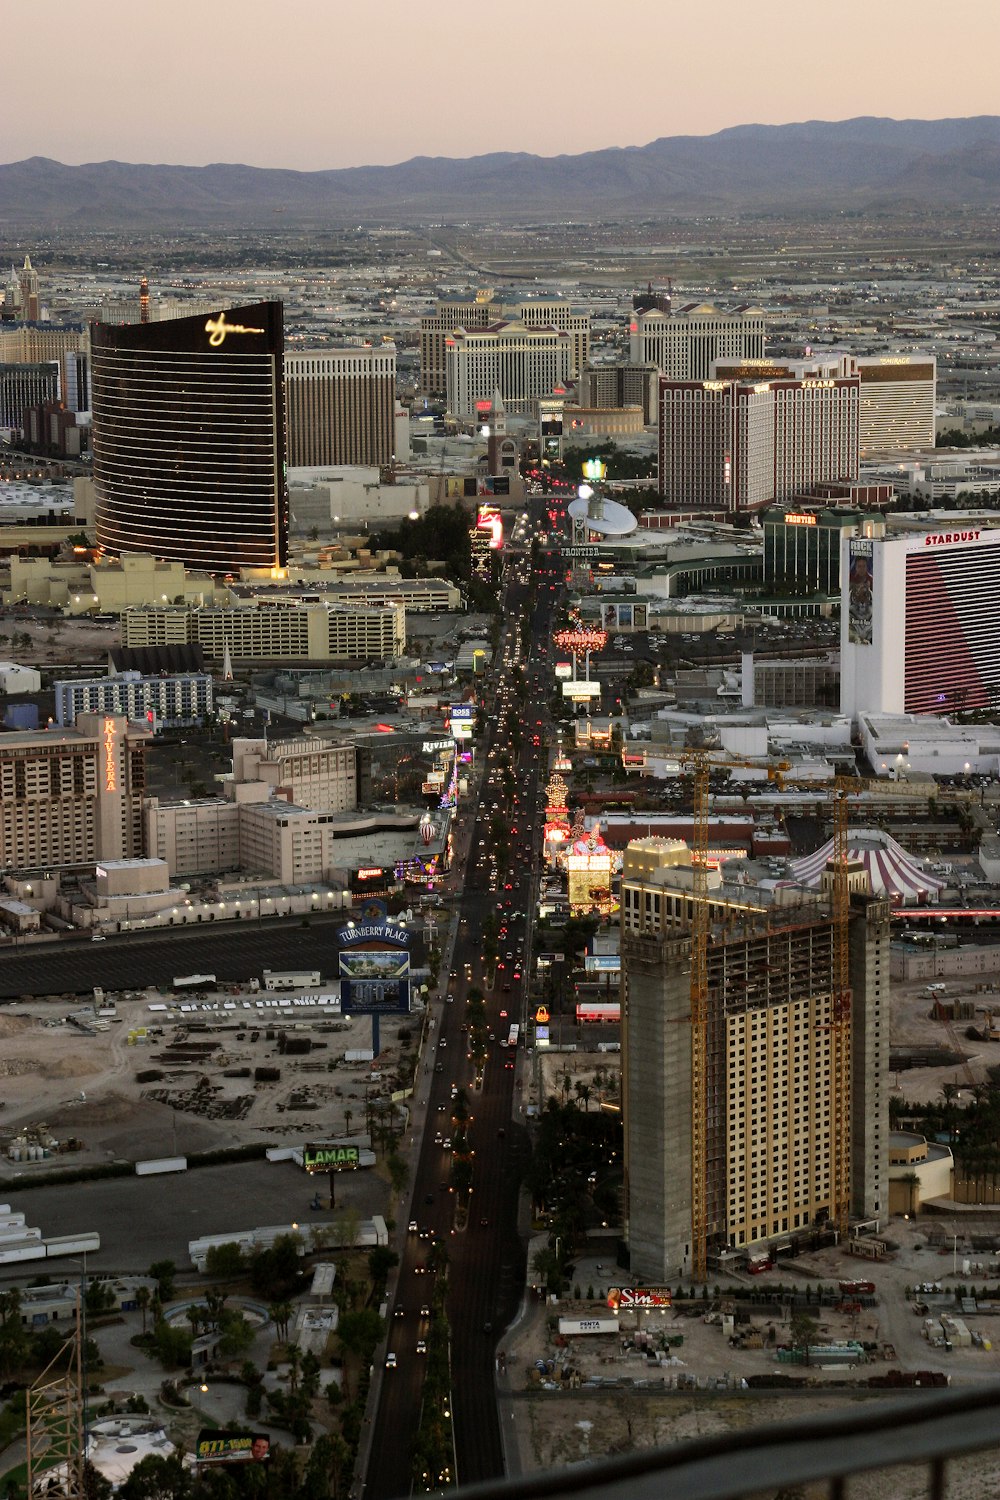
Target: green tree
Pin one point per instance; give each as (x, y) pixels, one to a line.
(399, 1172)
(381, 1260)
(227, 1262)
(95, 1486)
(236, 1334)
(164, 1273)
(274, 1273)
(804, 1331)
(359, 1332)
(172, 1345)
(156, 1478)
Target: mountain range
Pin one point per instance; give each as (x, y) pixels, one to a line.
(865, 164)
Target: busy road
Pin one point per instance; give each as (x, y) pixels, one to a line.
(485, 1253)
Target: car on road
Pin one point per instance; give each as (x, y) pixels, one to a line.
(391, 1363)
(421, 1346)
(413, 1226)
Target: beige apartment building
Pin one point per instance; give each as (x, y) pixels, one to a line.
(685, 343)
(437, 328)
(523, 362)
(309, 772)
(279, 629)
(898, 400)
(72, 796)
(769, 1128)
(274, 820)
(270, 839)
(340, 406)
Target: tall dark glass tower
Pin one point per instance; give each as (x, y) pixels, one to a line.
(189, 438)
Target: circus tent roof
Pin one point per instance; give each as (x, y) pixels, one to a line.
(891, 870)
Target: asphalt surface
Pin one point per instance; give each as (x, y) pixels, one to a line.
(233, 951)
(487, 1260)
(142, 1219)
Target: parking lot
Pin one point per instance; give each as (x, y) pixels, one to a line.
(142, 1219)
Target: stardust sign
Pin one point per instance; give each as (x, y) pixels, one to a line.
(639, 1296)
(319, 1158)
(945, 538)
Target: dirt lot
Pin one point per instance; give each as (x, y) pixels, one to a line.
(82, 1086)
(55, 639)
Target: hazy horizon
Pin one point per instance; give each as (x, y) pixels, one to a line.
(307, 86)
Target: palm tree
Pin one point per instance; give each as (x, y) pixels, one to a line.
(912, 1180)
(294, 1359)
(348, 1117)
(950, 1094)
(583, 1094)
(280, 1313)
(143, 1296)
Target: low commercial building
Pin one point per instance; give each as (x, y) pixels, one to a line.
(167, 702)
(281, 629)
(376, 590)
(332, 496)
(17, 679)
(312, 773)
(105, 586)
(903, 745)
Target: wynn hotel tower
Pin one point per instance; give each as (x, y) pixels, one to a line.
(189, 439)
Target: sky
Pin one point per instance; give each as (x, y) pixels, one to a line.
(308, 84)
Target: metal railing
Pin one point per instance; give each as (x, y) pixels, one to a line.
(923, 1432)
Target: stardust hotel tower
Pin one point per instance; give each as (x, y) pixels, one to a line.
(189, 439)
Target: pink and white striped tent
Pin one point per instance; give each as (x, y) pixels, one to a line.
(891, 870)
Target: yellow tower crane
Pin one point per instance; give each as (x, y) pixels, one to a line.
(841, 1027)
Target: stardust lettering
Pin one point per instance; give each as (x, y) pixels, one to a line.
(939, 539)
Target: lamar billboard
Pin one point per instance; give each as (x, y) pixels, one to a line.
(330, 1158)
(232, 1448)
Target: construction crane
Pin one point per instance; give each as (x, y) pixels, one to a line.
(701, 763)
(841, 1025)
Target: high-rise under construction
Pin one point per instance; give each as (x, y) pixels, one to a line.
(768, 1138)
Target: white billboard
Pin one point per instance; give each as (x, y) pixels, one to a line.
(577, 688)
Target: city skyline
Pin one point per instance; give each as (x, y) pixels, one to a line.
(192, 109)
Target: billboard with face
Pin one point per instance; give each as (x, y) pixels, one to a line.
(861, 591)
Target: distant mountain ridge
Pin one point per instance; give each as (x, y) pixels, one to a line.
(810, 166)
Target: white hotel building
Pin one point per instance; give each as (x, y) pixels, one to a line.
(748, 438)
(919, 628)
(521, 362)
(685, 343)
(898, 393)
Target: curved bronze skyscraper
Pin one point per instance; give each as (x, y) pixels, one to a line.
(189, 438)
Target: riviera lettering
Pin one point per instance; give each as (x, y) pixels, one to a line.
(937, 538)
